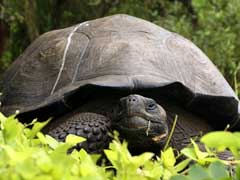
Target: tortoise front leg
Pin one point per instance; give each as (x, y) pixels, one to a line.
(94, 127)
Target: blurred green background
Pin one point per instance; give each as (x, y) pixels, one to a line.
(214, 25)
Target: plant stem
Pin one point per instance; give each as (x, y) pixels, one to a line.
(171, 132)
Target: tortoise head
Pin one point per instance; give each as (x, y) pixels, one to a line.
(142, 122)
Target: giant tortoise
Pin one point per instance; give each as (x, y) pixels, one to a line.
(119, 73)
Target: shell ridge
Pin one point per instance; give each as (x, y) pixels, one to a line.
(69, 39)
(81, 57)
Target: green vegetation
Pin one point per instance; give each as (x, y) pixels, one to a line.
(212, 24)
(28, 154)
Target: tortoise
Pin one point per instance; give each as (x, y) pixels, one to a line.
(119, 73)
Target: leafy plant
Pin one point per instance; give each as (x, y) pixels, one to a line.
(26, 153)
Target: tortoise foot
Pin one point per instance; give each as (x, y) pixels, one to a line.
(94, 127)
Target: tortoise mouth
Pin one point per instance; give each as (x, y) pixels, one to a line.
(141, 133)
(134, 123)
(140, 125)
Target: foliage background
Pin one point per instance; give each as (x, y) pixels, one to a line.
(212, 24)
(28, 154)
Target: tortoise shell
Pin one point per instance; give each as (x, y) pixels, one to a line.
(118, 52)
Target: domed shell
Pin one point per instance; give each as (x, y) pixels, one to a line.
(118, 51)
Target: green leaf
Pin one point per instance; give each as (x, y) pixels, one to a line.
(27, 169)
(221, 140)
(37, 126)
(142, 158)
(179, 177)
(43, 161)
(41, 138)
(218, 170)
(237, 175)
(112, 157)
(14, 156)
(190, 153)
(12, 130)
(53, 143)
(200, 155)
(197, 172)
(168, 158)
(73, 139)
(182, 165)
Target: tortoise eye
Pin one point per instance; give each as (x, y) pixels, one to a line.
(151, 106)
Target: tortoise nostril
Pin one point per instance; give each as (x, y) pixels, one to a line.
(132, 99)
